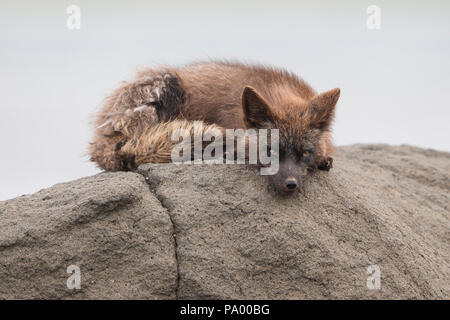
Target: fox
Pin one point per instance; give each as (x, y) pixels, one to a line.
(136, 121)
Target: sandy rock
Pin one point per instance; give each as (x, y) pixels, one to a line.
(380, 205)
(108, 225)
(220, 232)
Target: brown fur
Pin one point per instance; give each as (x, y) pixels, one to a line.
(135, 124)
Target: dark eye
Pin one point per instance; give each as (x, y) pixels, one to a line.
(305, 154)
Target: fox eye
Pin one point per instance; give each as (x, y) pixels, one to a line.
(305, 154)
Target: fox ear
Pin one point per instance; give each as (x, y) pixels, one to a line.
(257, 113)
(322, 108)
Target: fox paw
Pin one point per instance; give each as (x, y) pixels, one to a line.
(128, 162)
(326, 165)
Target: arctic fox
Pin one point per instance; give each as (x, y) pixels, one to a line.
(137, 120)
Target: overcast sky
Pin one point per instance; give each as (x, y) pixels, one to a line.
(394, 81)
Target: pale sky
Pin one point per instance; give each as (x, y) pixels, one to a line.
(394, 81)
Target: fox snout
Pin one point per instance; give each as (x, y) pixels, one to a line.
(290, 177)
(286, 184)
(290, 184)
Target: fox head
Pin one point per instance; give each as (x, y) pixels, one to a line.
(304, 132)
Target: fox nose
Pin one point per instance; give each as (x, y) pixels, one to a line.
(290, 183)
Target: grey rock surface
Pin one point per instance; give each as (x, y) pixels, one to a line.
(109, 225)
(220, 232)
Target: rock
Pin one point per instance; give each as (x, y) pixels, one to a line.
(108, 225)
(220, 232)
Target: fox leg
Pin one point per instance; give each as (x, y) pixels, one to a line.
(326, 164)
(104, 152)
(326, 160)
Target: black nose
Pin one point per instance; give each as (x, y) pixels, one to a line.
(290, 183)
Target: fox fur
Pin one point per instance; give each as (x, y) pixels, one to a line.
(136, 121)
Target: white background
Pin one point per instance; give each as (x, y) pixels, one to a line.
(394, 81)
